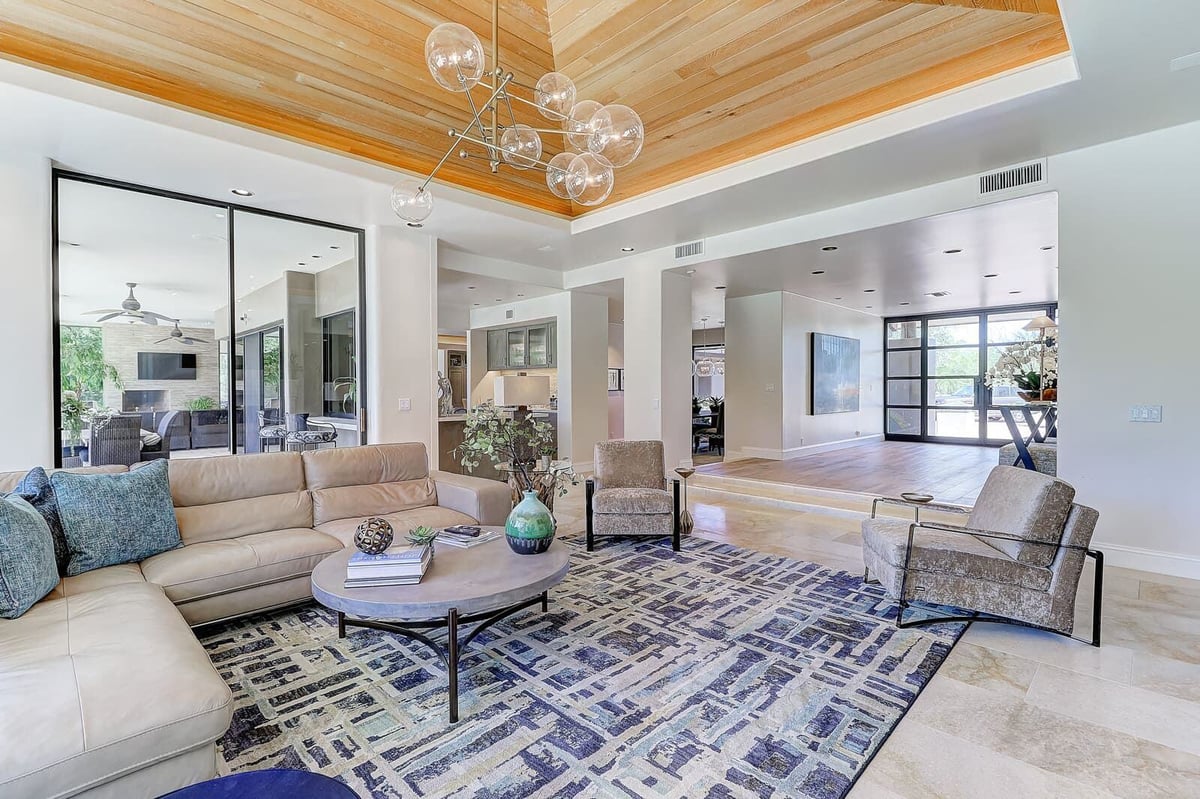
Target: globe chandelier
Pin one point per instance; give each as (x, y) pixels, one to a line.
(596, 138)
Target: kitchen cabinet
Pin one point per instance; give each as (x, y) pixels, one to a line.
(530, 347)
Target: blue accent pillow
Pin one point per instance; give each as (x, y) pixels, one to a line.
(35, 489)
(27, 568)
(116, 518)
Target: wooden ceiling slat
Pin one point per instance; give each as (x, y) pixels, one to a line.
(715, 81)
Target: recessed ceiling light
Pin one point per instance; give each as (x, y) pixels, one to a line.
(545, 248)
(691, 271)
(819, 272)
(300, 263)
(499, 300)
(837, 298)
(251, 277)
(719, 288)
(242, 192)
(720, 321)
(415, 224)
(992, 275)
(868, 291)
(314, 256)
(626, 249)
(868, 307)
(952, 252)
(1048, 247)
(905, 303)
(476, 303)
(1014, 292)
(472, 288)
(334, 247)
(829, 248)
(520, 295)
(219, 216)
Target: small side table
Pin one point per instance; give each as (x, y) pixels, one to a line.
(686, 522)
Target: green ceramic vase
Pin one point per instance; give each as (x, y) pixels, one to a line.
(530, 526)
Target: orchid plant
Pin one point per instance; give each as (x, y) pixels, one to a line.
(1019, 365)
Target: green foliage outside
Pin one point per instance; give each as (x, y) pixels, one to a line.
(205, 403)
(83, 373)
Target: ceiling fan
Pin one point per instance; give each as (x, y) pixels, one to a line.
(177, 335)
(131, 309)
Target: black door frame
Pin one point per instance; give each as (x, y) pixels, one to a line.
(1051, 309)
(231, 208)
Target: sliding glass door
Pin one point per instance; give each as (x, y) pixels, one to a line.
(934, 372)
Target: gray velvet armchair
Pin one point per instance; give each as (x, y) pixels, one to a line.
(628, 496)
(1018, 559)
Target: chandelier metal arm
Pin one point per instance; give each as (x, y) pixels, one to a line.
(524, 158)
(462, 135)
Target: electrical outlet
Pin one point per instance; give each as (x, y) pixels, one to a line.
(770, 387)
(405, 404)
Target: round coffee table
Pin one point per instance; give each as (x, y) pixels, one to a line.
(480, 585)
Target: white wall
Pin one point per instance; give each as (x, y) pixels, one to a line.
(754, 376)
(401, 289)
(1129, 281)
(26, 403)
(804, 431)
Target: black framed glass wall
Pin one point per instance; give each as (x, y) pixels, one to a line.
(223, 329)
(934, 370)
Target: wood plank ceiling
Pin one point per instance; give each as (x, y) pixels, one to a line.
(715, 81)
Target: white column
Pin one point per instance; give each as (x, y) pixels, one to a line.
(583, 388)
(658, 355)
(26, 327)
(401, 291)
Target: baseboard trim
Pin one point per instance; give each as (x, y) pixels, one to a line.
(800, 452)
(1149, 560)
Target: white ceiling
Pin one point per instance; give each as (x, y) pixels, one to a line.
(459, 292)
(1122, 50)
(176, 251)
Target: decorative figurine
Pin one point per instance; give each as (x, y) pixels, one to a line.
(374, 535)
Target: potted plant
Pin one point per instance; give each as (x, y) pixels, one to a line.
(83, 373)
(204, 403)
(1031, 366)
(490, 434)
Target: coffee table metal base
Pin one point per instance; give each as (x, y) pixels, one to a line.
(450, 653)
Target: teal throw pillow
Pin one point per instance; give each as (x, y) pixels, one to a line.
(35, 489)
(27, 568)
(116, 518)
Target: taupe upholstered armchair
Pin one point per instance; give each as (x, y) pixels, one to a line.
(628, 494)
(1017, 560)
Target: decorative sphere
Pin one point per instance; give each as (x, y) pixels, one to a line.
(589, 179)
(454, 56)
(554, 95)
(617, 134)
(411, 202)
(556, 174)
(374, 535)
(520, 146)
(578, 124)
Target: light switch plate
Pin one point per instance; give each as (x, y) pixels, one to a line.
(1145, 413)
(770, 387)
(405, 404)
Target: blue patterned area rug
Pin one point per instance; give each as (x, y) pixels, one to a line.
(714, 672)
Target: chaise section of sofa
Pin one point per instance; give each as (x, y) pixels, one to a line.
(393, 481)
(246, 524)
(107, 693)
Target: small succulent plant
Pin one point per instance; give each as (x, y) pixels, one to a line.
(422, 535)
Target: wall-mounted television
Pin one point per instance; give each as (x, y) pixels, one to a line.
(166, 366)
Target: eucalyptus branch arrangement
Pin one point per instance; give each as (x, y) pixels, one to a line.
(492, 435)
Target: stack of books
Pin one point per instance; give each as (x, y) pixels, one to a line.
(466, 536)
(393, 567)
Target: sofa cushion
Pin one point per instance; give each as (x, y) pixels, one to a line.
(632, 501)
(654, 524)
(630, 464)
(236, 495)
(956, 554)
(99, 685)
(232, 564)
(429, 516)
(368, 481)
(28, 570)
(97, 579)
(1026, 504)
(115, 518)
(35, 489)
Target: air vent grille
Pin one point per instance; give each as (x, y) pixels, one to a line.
(508, 314)
(1013, 177)
(692, 248)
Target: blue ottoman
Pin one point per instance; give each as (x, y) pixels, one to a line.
(281, 783)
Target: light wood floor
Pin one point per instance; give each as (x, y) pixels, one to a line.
(952, 473)
(1015, 712)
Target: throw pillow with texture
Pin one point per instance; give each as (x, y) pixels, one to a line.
(35, 489)
(27, 568)
(116, 518)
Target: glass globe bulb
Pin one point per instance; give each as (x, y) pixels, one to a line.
(411, 202)
(704, 368)
(556, 174)
(720, 367)
(617, 134)
(589, 179)
(454, 56)
(578, 124)
(520, 146)
(554, 95)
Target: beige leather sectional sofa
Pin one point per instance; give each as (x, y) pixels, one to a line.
(104, 689)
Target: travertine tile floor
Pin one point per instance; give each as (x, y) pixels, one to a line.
(1015, 712)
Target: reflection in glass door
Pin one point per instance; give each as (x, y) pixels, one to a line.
(934, 373)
